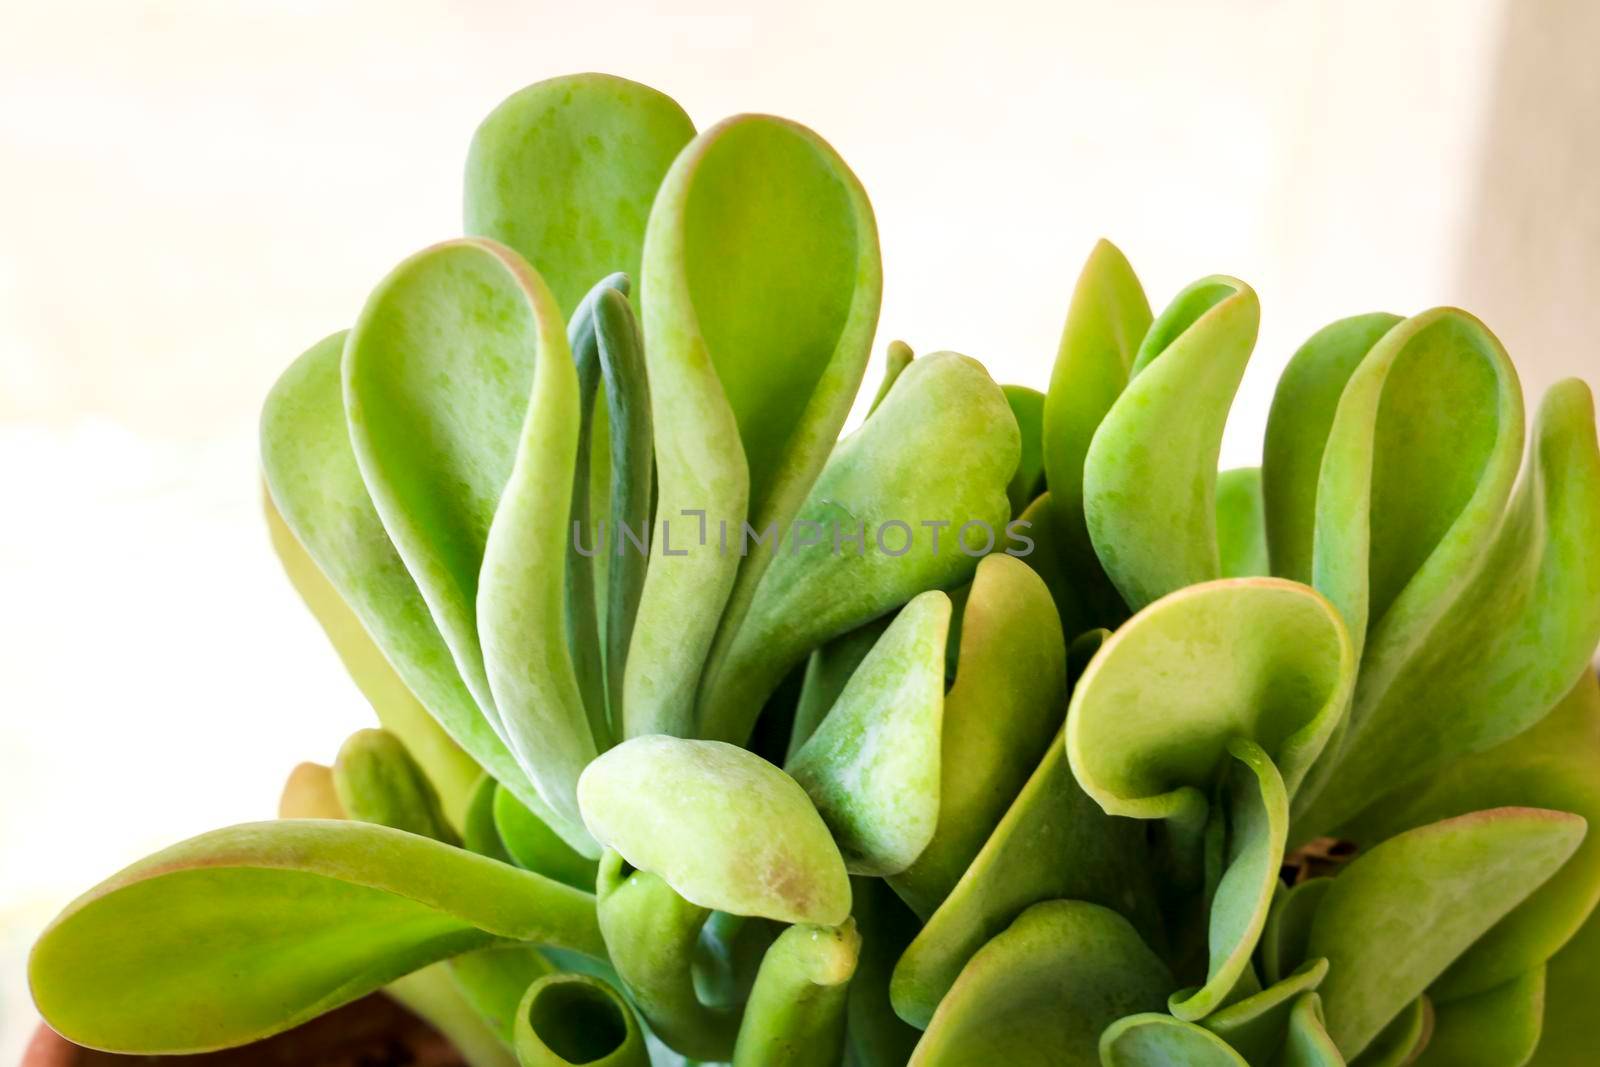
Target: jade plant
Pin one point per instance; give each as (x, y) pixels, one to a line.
(1003, 730)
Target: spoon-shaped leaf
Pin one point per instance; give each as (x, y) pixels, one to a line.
(480, 502)
(872, 766)
(760, 290)
(1303, 408)
(1307, 1043)
(1054, 842)
(1256, 1025)
(377, 781)
(1417, 467)
(1508, 646)
(1241, 527)
(1498, 1027)
(668, 806)
(533, 846)
(1149, 479)
(918, 491)
(1006, 705)
(1550, 766)
(1400, 914)
(1044, 990)
(796, 1013)
(247, 931)
(576, 1018)
(1105, 325)
(311, 472)
(1151, 1039)
(565, 171)
(445, 764)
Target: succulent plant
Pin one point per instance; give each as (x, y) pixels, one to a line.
(1004, 730)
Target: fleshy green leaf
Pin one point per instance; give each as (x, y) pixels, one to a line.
(828, 671)
(1106, 323)
(1255, 1026)
(760, 290)
(652, 932)
(533, 846)
(1044, 990)
(576, 1018)
(479, 505)
(1007, 703)
(1258, 658)
(1154, 1040)
(433, 995)
(875, 1036)
(247, 931)
(565, 171)
(933, 460)
(796, 1013)
(493, 980)
(665, 805)
(316, 485)
(1402, 1040)
(1288, 929)
(1571, 990)
(896, 359)
(1241, 527)
(309, 793)
(1550, 766)
(1257, 827)
(1498, 1027)
(1395, 918)
(1522, 624)
(873, 765)
(1149, 479)
(1027, 406)
(1054, 842)
(615, 454)
(377, 781)
(1308, 1043)
(1303, 407)
(448, 768)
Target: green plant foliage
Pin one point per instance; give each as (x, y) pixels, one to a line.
(1005, 729)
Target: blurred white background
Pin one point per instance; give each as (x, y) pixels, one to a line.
(194, 192)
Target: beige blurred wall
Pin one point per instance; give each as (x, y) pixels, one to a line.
(194, 192)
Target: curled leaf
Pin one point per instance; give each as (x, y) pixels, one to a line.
(760, 290)
(576, 1018)
(1149, 478)
(565, 171)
